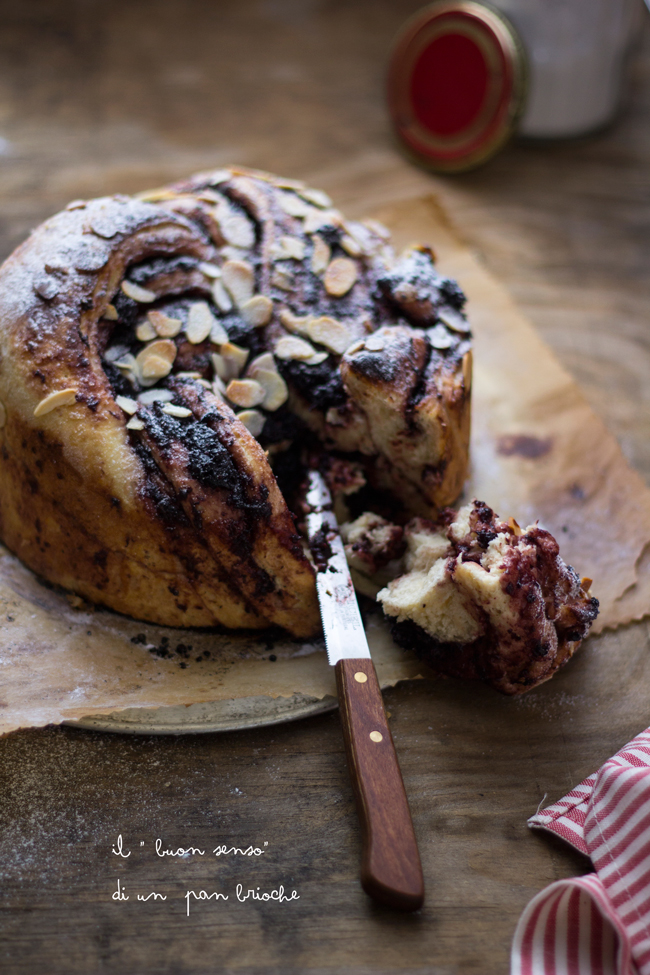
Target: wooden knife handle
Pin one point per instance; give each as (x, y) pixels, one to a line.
(390, 865)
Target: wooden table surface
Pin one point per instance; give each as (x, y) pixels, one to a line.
(103, 96)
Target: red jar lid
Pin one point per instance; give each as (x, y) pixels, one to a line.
(456, 84)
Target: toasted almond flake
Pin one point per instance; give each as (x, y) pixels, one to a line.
(331, 333)
(188, 375)
(154, 367)
(351, 246)
(208, 196)
(210, 270)
(377, 228)
(454, 320)
(127, 404)
(292, 247)
(110, 314)
(221, 297)
(179, 411)
(236, 229)
(264, 361)
(165, 326)
(440, 337)
(220, 176)
(135, 424)
(316, 358)
(275, 389)
(293, 205)
(199, 322)
(218, 387)
(62, 397)
(77, 205)
(234, 354)
(320, 256)
(239, 280)
(155, 396)
(153, 196)
(294, 323)
(585, 583)
(291, 347)
(204, 383)
(516, 528)
(218, 334)
(229, 253)
(355, 347)
(282, 278)
(3, 415)
(145, 332)
(164, 348)
(221, 367)
(316, 219)
(245, 392)
(318, 197)
(284, 182)
(375, 343)
(257, 311)
(126, 362)
(253, 420)
(340, 276)
(143, 295)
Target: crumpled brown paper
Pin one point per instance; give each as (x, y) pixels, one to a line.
(538, 451)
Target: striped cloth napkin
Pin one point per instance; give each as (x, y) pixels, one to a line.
(598, 924)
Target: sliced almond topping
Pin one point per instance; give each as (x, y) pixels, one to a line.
(253, 420)
(586, 583)
(334, 418)
(282, 278)
(257, 311)
(318, 197)
(155, 396)
(143, 295)
(188, 375)
(153, 196)
(154, 367)
(321, 254)
(291, 347)
(515, 527)
(340, 276)
(317, 358)
(145, 332)
(236, 229)
(245, 392)
(221, 297)
(221, 367)
(210, 270)
(179, 411)
(375, 343)
(165, 326)
(165, 348)
(135, 424)
(356, 347)
(234, 354)
(334, 335)
(351, 246)
(294, 323)
(293, 247)
(199, 322)
(62, 397)
(3, 415)
(127, 404)
(218, 334)
(316, 219)
(126, 362)
(377, 228)
(111, 313)
(239, 279)
(218, 387)
(264, 361)
(293, 205)
(454, 320)
(275, 388)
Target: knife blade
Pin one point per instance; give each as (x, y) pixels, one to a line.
(391, 872)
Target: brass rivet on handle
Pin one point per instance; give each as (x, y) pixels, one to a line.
(361, 677)
(376, 736)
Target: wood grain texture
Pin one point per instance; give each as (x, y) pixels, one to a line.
(391, 872)
(103, 96)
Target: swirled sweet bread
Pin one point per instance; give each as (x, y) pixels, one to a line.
(169, 363)
(476, 597)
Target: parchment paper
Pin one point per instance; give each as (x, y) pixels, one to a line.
(538, 451)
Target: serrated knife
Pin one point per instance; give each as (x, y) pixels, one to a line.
(390, 866)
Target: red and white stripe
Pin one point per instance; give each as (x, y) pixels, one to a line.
(598, 924)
